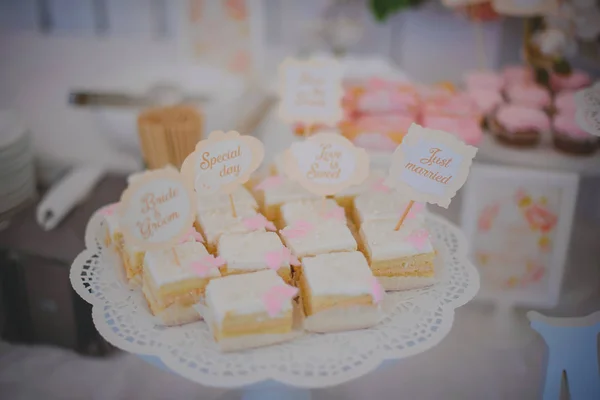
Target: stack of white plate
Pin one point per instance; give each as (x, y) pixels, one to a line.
(17, 174)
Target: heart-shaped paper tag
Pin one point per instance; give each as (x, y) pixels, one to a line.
(222, 162)
(326, 163)
(157, 209)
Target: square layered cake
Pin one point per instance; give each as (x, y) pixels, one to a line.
(402, 259)
(133, 262)
(254, 251)
(242, 199)
(375, 205)
(250, 310)
(339, 292)
(173, 283)
(113, 236)
(214, 223)
(312, 211)
(306, 239)
(275, 191)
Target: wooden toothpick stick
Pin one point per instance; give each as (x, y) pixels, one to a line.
(232, 204)
(175, 257)
(403, 217)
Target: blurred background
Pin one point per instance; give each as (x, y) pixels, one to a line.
(75, 75)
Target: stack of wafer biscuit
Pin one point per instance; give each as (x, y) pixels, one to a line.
(169, 134)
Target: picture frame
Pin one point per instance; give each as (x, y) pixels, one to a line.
(235, 21)
(518, 222)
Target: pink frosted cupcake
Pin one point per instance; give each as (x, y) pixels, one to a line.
(570, 138)
(517, 74)
(564, 103)
(519, 126)
(488, 80)
(529, 95)
(577, 80)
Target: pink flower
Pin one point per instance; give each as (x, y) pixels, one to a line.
(270, 182)
(418, 238)
(109, 209)
(415, 210)
(275, 259)
(379, 186)
(258, 222)
(276, 297)
(336, 213)
(203, 266)
(376, 290)
(299, 229)
(191, 235)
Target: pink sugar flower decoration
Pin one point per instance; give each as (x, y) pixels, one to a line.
(376, 290)
(109, 209)
(258, 222)
(191, 235)
(418, 238)
(203, 266)
(275, 298)
(270, 182)
(336, 213)
(379, 186)
(275, 259)
(415, 210)
(298, 230)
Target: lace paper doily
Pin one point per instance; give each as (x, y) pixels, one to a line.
(420, 320)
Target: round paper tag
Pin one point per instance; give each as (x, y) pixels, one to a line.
(156, 209)
(326, 163)
(222, 162)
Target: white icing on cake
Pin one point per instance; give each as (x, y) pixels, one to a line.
(325, 237)
(214, 223)
(385, 243)
(163, 270)
(246, 251)
(286, 192)
(112, 223)
(242, 198)
(379, 205)
(338, 274)
(307, 210)
(364, 187)
(241, 294)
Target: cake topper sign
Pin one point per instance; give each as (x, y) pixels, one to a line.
(222, 162)
(156, 209)
(429, 166)
(326, 163)
(310, 91)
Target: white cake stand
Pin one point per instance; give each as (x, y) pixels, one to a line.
(416, 321)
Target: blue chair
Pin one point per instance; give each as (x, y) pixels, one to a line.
(573, 351)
